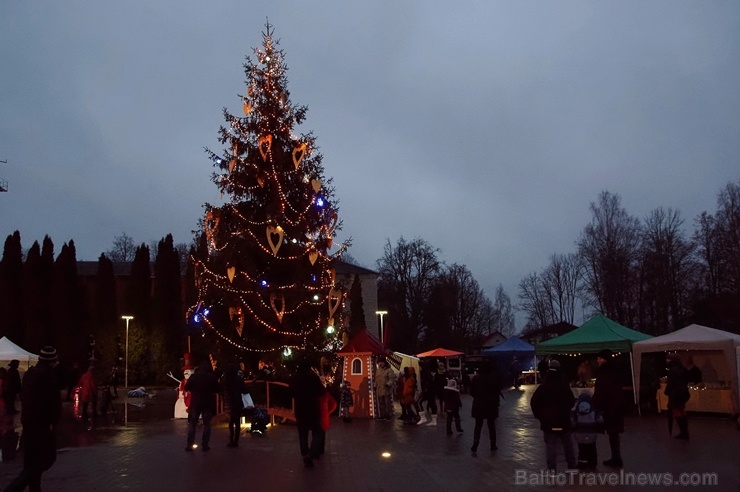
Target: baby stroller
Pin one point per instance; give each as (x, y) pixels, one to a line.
(260, 419)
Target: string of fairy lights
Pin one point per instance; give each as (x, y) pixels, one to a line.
(278, 210)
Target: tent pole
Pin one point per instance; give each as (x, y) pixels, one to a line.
(634, 389)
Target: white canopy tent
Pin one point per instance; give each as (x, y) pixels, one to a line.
(10, 351)
(714, 352)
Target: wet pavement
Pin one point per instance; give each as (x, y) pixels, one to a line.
(148, 455)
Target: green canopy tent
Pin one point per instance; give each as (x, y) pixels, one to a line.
(596, 334)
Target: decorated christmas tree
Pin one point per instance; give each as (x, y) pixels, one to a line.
(265, 276)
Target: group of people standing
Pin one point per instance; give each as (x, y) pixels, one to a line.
(554, 405)
(438, 393)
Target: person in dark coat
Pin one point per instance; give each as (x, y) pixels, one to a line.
(693, 373)
(13, 387)
(608, 400)
(515, 372)
(677, 391)
(551, 404)
(41, 407)
(203, 387)
(440, 381)
(485, 388)
(307, 390)
(234, 385)
(542, 367)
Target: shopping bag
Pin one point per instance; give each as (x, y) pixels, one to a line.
(247, 401)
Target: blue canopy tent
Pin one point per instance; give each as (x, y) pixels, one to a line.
(504, 353)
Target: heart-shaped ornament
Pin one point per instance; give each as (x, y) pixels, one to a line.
(274, 238)
(313, 255)
(265, 144)
(231, 273)
(274, 300)
(316, 185)
(331, 224)
(334, 299)
(298, 153)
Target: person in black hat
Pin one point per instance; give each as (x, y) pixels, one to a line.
(608, 400)
(41, 408)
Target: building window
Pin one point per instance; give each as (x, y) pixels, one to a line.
(356, 367)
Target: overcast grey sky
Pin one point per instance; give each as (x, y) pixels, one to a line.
(485, 128)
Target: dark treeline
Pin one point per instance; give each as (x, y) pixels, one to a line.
(46, 301)
(650, 274)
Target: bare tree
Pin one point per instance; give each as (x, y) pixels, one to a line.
(609, 247)
(666, 272)
(503, 312)
(123, 248)
(561, 282)
(706, 242)
(728, 223)
(535, 301)
(407, 273)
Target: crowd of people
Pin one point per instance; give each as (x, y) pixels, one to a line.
(567, 422)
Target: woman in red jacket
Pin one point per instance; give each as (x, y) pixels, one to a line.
(409, 396)
(327, 405)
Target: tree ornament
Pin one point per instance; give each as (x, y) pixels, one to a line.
(247, 108)
(334, 298)
(331, 223)
(298, 152)
(274, 231)
(281, 300)
(213, 218)
(329, 242)
(231, 272)
(265, 145)
(232, 165)
(313, 255)
(237, 319)
(316, 185)
(261, 181)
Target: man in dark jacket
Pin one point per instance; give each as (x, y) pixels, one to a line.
(306, 389)
(203, 387)
(485, 388)
(677, 391)
(551, 404)
(608, 400)
(234, 386)
(41, 408)
(13, 388)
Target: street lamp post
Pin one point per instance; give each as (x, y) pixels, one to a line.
(381, 314)
(125, 377)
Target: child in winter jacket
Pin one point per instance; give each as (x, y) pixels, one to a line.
(345, 401)
(452, 405)
(586, 424)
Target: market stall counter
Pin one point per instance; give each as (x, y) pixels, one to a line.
(710, 397)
